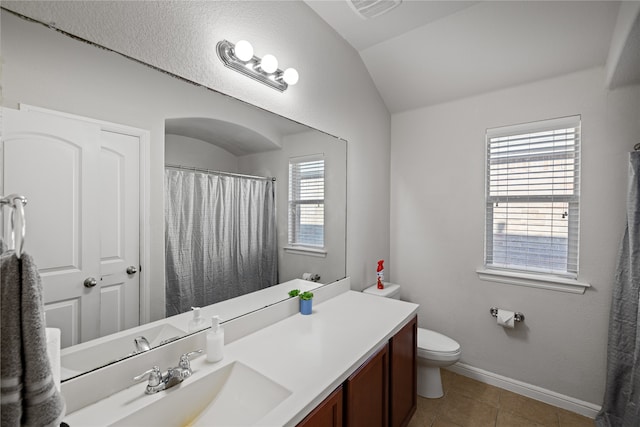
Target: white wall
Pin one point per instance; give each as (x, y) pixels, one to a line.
(623, 62)
(44, 68)
(185, 151)
(437, 217)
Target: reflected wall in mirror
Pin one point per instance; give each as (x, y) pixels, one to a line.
(45, 68)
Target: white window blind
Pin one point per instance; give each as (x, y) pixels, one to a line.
(306, 201)
(533, 197)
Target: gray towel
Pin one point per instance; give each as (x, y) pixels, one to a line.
(28, 395)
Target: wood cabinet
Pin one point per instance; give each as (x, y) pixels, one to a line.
(326, 414)
(367, 392)
(403, 384)
(381, 393)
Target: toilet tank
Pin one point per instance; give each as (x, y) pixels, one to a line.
(391, 290)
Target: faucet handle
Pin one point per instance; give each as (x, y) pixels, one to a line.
(186, 357)
(185, 363)
(155, 376)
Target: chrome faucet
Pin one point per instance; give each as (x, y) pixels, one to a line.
(158, 381)
(141, 344)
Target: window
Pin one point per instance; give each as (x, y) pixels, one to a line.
(306, 201)
(533, 197)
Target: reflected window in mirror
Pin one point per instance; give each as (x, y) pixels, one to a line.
(306, 202)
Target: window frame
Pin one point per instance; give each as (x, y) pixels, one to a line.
(522, 274)
(293, 242)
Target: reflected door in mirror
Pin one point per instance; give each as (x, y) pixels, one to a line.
(82, 217)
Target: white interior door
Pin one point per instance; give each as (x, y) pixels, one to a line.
(119, 232)
(53, 162)
(82, 185)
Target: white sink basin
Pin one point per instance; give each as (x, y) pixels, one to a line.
(234, 395)
(99, 352)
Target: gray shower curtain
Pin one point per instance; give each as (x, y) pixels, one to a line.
(220, 238)
(621, 406)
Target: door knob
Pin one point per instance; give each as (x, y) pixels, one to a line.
(132, 269)
(90, 282)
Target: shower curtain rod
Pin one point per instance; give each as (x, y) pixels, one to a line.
(212, 172)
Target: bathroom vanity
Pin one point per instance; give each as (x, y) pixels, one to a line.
(351, 362)
(381, 392)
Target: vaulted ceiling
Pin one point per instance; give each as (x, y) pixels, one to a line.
(426, 52)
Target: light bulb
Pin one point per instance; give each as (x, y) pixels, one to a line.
(290, 76)
(243, 50)
(269, 63)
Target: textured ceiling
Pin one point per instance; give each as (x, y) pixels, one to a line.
(363, 33)
(475, 48)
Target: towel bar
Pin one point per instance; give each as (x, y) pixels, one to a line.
(16, 202)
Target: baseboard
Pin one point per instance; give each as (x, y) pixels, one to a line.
(534, 392)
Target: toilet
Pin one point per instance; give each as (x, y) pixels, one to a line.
(435, 350)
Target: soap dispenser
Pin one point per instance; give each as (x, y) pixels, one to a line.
(215, 341)
(198, 322)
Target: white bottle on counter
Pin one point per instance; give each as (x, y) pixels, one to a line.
(198, 322)
(215, 341)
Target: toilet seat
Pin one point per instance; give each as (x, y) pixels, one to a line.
(435, 346)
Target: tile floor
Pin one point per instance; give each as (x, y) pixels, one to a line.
(470, 403)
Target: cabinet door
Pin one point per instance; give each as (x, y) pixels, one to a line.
(326, 414)
(367, 393)
(402, 375)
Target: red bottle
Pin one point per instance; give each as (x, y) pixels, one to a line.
(380, 273)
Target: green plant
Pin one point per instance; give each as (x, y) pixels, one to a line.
(303, 295)
(306, 295)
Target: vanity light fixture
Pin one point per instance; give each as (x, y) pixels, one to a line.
(240, 57)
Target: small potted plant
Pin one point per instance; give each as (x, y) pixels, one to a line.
(306, 300)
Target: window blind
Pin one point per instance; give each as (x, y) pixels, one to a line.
(306, 201)
(533, 196)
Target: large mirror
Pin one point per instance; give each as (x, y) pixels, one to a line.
(203, 134)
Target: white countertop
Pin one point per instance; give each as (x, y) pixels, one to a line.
(91, 354)
(309, 355)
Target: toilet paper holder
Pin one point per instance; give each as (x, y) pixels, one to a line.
(517, 316)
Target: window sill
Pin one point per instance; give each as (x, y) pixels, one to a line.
(533, 280)
(306, 251)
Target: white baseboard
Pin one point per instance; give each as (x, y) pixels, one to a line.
(534, 392)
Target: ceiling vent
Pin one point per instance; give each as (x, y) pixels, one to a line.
(367, 9)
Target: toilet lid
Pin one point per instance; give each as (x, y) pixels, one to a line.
(433, 341)
(389, 290)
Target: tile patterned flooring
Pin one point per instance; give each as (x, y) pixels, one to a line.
(470, 403)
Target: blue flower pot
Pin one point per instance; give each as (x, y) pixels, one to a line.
(305, 306)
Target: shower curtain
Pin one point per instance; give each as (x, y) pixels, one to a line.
(220, 238)
(621, 406)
